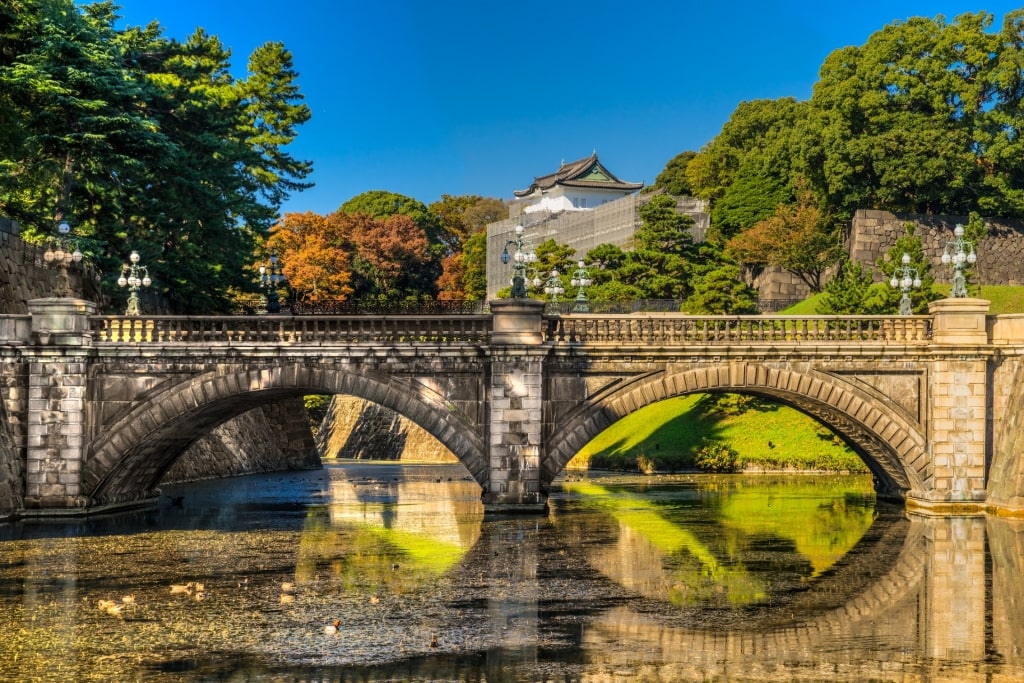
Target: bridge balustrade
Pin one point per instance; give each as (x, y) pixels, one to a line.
(318, 330)
(672, 330)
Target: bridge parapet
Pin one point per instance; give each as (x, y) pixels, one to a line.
(308, 330)
(730, 329)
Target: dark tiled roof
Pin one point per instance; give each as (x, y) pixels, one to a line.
(588, 172)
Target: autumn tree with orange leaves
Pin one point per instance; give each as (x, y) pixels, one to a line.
(802, 239)
(316, 254)
(465, 219)
(389, 255)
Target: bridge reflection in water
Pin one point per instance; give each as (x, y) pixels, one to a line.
(657, 579)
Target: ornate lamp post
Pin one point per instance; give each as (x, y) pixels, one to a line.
(130, 277)
(271, 277)
(959, 252)
(553, 287)
(581, 279)
(521, 258)
(61, 252)
(905, 277)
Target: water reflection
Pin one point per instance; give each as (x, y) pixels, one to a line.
(724, 578)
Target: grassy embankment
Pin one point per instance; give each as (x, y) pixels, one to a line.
(737, 433)
(727, 433)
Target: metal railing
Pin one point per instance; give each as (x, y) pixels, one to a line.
(754, 329)
(374, 307)
(315, 330)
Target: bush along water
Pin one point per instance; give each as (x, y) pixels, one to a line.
(717, 433)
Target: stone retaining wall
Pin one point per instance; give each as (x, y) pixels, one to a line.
(23, 275)
(11, 474)
(872, 234)
(357, 429)
(252, 442)
(1000, 253)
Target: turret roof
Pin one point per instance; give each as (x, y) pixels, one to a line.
(588, 172)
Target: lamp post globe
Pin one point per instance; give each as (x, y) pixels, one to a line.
(522, 257)
(134, 276)
(61, 252)
(959, 253)
(272, 277)
(905, 278)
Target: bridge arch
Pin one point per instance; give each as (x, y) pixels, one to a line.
(128, 459)
(891, 445)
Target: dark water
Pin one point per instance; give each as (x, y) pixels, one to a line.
(626, 579)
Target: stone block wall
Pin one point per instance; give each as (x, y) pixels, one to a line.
(11, 474)
(1000, 253)
(872, 234)
(23, 275)
(358, 429)
(251, 442)
(13, 384)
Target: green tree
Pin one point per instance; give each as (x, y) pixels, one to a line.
(722, 291)
(553, 257)
(848, 292)
(145, 143)
(664, 229)
(463, 218)
(747, 170)
(604, 262)
(803, 240)
(923, 118)
(422, 279)
(474, 267)
(673, 179)
(891, 265)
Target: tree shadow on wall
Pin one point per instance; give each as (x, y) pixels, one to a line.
(376, 435)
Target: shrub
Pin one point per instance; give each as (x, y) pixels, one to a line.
(716, 456)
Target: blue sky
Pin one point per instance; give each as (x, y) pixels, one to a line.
(424, 97)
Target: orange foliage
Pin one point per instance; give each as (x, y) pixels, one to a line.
(449, 285)
(316, 254)
(388, 245)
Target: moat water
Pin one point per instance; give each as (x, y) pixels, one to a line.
(382, 572)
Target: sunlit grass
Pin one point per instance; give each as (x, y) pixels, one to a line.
(670, 433)
(1004, 299)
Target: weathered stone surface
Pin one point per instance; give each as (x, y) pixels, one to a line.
(358, 429)
(11, 476)
(23, 275)
(265, 439)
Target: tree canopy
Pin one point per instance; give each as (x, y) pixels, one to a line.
(925, 117)
(144, 142)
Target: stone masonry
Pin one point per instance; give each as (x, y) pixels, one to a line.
(515, 394)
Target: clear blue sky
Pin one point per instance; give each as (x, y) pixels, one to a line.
(424, 97)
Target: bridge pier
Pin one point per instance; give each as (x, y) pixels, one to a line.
(516, 408)
(55, 447)
(959, 395)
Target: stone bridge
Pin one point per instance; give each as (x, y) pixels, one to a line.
(99, 407)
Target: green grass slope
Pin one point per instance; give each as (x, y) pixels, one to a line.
(1005, 299)
(667, 436)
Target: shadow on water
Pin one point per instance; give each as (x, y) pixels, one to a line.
(685, 578)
